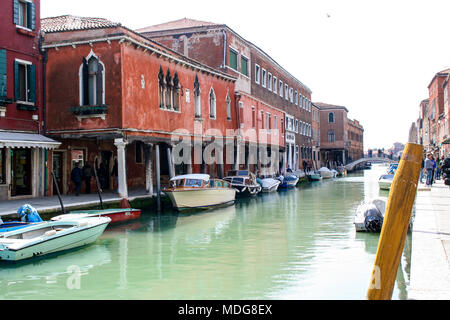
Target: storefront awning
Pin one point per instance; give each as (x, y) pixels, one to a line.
(26, 140)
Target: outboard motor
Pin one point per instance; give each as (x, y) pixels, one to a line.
(373, 219)
(28, 214)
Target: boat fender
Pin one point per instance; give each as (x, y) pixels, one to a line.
(82, 224)
(243, 189)
(50, 233)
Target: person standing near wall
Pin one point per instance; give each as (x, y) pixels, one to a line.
(115, 174)
(77, 177)
(87, 175)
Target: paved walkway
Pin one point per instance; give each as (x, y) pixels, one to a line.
(430, 253)
(70, 202)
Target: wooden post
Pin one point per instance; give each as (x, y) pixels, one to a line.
(395, 226)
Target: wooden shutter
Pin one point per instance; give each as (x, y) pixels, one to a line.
(99, 83)
(3, 73)
(85, 83)
(16, 11)
(31, 16)
(31, 74)
(16, 81)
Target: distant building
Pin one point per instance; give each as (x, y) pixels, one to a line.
(433, 122)
(115, 98)
(270, 96)
(24, 151)
(341, 139)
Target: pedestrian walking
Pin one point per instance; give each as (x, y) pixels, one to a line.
(434, 169)
(439, 163)
(87, 175)
(421, 171)
(428, 165)
(77, 177)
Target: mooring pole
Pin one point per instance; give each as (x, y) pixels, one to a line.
(396, 222)
(99, 189)
(58, 193)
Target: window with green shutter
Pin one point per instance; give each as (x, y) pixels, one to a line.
(24, 82)
(233, 59)
(3, 74)
(24, 14)
(244, 66)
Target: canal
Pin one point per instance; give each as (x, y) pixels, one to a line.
(293, 244)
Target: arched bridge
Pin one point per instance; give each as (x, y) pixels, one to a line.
(352, 165)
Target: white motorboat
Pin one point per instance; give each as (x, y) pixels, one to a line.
(326, 173)
(270, 184)
(370, 214)
(198, 191)
(313, 176)
(49, 237)
(385, 181)
(244, 182)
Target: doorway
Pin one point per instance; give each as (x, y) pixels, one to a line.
(20, 172)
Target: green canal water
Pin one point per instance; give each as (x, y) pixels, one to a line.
(293, 244)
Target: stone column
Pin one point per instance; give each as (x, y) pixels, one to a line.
(149, 169)
(170, 162)
(122, 167)
(158, 178)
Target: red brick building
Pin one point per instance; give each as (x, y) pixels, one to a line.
(23, 148)
(341, 139)
(259, 78)
(114, 96)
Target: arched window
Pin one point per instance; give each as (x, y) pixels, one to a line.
(161, 87)
(212, 104)
(331, 117)
(92, 81)
(176, 92)
(331, 136)
(197, 99)
(168, 92)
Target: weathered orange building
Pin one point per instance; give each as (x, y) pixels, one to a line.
(114, 96)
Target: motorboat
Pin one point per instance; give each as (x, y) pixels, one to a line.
(313, 176)
(370, 215)
(50, 237)
(385, 181)
(288, 181)
(198, 191)
(269, 184)
(341, 171)
(326, 173)
(116, 214)
(244, 182)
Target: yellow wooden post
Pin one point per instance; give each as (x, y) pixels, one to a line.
(395, 226)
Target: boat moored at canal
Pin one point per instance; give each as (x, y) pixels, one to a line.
(269, 184)
(50, 237)
(385, 181)
(116, 214)
(288, 181)
(327, 173)
(198, 191)
(244, 182)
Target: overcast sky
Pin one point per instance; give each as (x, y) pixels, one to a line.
(374, 57)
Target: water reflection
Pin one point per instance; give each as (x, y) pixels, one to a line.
(292, 244)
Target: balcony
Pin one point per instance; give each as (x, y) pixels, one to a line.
(83, 112)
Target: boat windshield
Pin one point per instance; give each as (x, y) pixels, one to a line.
(238, 173)
(238, 180)
(196, 183)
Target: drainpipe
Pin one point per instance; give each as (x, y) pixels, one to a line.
(44, 107)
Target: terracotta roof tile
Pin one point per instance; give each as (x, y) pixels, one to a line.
(72, 23)
(177, 24)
